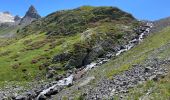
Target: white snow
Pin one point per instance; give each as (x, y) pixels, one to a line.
(5, 17)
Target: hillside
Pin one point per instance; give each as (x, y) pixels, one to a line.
(76, 20)
(33, 53)
(140, 73)
(84, 54)
(161, 24)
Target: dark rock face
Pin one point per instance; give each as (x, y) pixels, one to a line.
(76, 60)
(30, 16)
(32, 12)
(61, 57)
(93, 55)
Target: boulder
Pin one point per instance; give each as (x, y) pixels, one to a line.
(93, 55)
(61, 57)
(76, 60)
(21, 97)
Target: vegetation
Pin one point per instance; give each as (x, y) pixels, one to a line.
(80, 35)
(22, 59)
(76, 20)
(138, 55)
(75, 32)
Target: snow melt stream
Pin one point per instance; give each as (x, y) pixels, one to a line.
(69, 80)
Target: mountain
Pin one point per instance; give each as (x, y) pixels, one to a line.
(30, 16)
(68, 39)
(9, 24)
(86, 53)
(76, 20)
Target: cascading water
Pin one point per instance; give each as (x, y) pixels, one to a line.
(69, 80)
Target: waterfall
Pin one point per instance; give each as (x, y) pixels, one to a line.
(69, 80)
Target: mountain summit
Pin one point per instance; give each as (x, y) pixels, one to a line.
(30, 15)
(32, 12)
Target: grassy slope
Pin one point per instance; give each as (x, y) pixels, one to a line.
(136, 55)
(8, 31)
(22, 59)
(19, 55)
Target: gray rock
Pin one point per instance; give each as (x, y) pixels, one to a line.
(21, 97)
(61, 57)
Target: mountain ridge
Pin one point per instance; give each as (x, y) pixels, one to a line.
(86, 53)
(10, 20)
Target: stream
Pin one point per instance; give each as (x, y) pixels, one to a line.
(69, 80)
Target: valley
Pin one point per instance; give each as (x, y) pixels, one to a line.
(86, 53)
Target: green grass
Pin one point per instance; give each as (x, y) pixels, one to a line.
(137, 55)
(15, 57)
(77, 20)
(140, 52)
(160, 90)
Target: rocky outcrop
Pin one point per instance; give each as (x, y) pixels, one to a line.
(30, 16)
(17, 19)
(84, 54)
(61, 57)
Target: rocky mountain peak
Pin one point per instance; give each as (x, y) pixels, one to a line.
(32, 12)
(30, 16)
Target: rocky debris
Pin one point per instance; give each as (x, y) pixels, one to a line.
(69, 80)
(30, 16)
(120, 83)
(52, 88)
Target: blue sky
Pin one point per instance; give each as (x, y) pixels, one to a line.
(141, 9)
